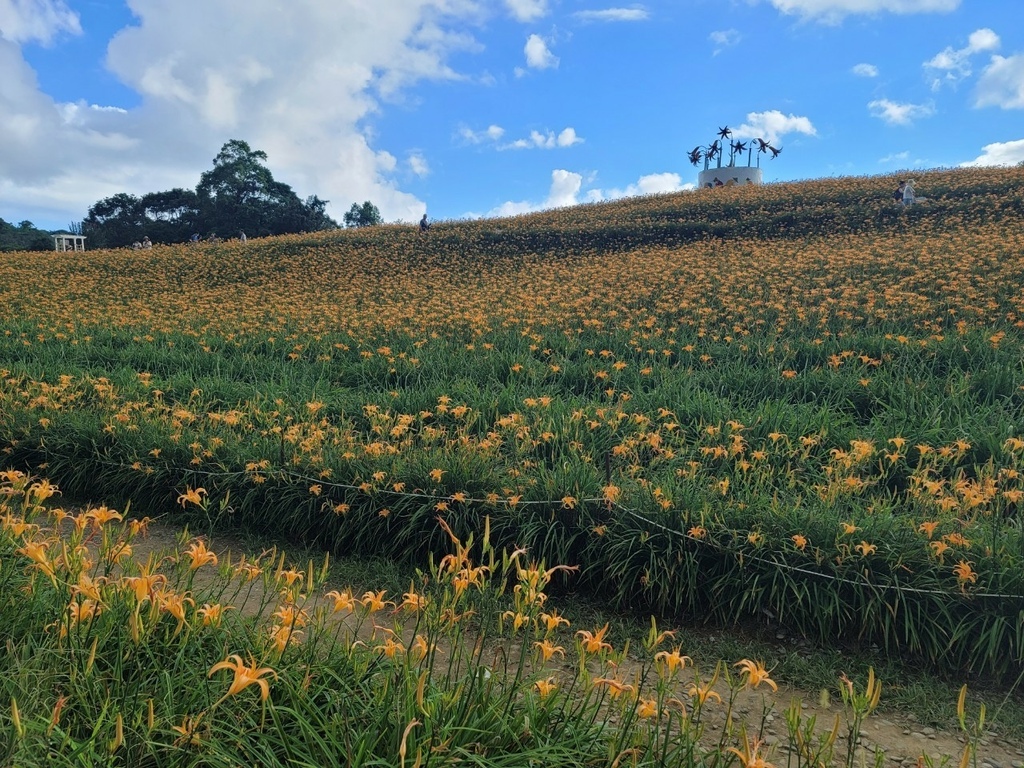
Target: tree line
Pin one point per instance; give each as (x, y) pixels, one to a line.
(23, 237)
(239, 194)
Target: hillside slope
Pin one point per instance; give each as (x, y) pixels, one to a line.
(797, 399)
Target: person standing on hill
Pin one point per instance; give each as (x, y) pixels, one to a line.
(898, 194)
(909, 196)
(424, 224)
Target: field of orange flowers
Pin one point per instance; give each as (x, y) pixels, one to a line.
(797, 399)
(185, 657)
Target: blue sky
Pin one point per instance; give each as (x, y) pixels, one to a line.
(465, 108)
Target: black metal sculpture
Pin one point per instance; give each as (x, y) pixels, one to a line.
(716, 150)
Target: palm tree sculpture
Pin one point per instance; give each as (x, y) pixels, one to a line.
(762, 148)
(716, 149)
(712, 151)
(706, 153)
(736, 148)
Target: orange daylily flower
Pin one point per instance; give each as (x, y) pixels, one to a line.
(594, 642)
(755, 674)
(244, 676)
(192, 496)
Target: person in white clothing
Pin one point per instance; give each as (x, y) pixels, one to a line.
(909, 196)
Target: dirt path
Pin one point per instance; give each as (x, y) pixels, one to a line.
(903, 740)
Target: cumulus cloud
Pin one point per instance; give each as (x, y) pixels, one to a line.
(834, 11)
(895, 113)
(724, 38)
(298, 91)
(564, 190)
(637, 13)
(865, 70)
(772, 126)
(490, 133)
(418, 164)
(1001, 84)
(567, 189)
(527, 10)
(548, 140)
(38, 21)
(538, 56)
(953, 65)
(652, 184)
(1000, 153)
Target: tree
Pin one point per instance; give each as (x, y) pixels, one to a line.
(115, 221)
(365, 215)
(23, 237)
(240, 193)
(232, 194)
(171, 216)
(316, 215)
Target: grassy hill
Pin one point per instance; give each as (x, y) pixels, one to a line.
(797, 399)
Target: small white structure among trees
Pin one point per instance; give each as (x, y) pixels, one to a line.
(65, 242)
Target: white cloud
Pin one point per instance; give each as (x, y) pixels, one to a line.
(527, 10)
(865, 70)
(652, 184)
(490, 133)
(564, 190)
(537, 54)
(894, 113)
(724, 38)
(303, 99)
(565, 186)
(897, 157)
(772, 126)
(1000, 153)
(1002, 83)
(953, 65)
(549, 140)
(23, 21)
(418, 164)
(834, 11)
(567, 189)
(637, 13)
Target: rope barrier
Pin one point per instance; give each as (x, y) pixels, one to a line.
(510, 504)
(798, 569)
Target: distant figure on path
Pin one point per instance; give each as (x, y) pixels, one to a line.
(718, 182)
(898, 194)
(242, 237)
(194, 238)
(146, 243)
(424, 224)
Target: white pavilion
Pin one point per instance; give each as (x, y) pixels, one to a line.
(65, 242)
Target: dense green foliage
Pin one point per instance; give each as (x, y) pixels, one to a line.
(365, 215)
(239, 194)
(23, 237)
